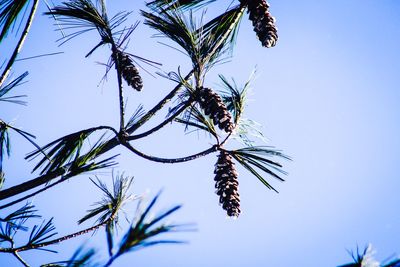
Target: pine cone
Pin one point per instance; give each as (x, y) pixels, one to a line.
(214, 107)
(129, 71)
(226, 183)
(263, 22)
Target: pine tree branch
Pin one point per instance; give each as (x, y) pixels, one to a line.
(46, 178)
(43, 179)
(110, 261)
(174, 160)
(58, 240)
(21, 42)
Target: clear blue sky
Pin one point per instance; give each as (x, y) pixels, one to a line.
(327, 95)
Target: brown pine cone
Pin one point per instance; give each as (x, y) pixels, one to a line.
(227, 185)
(215, 108)
(263, 21)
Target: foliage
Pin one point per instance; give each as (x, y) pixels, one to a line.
(221, 114)
(9, 12)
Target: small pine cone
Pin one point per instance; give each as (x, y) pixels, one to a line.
(227, 185)
(214, 107)
(263, 22)
(129, 71)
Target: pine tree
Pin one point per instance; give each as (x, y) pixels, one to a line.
(190, 103)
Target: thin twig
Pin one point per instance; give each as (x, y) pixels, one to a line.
(20, 259)
(120, 87)
(60, 239)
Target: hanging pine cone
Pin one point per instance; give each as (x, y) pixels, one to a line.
(263, 22)
(226, 183)
(214, 107)
(129, 71)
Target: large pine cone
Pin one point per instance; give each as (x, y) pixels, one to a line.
(129, 71)
(227, 184)
(263, 22)
(215, 108)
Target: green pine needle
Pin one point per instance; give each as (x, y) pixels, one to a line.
(203, 43)
(142, 232)
(253, 158)
(112, 200)
(87, 16)
(65, 152)
(10, 86)
(196, 118)
(41, 233)
(9, 13)
(179, 4)
(81, 257)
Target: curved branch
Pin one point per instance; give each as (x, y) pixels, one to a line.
(21, 42)
(174, 160)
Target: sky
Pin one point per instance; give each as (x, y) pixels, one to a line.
(327, 95)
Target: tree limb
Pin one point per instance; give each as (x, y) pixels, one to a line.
(174, 160)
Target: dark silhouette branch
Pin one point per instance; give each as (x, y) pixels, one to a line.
(174, 160)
